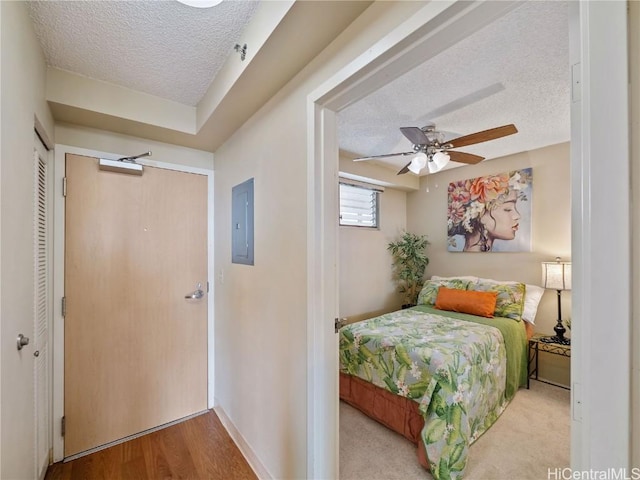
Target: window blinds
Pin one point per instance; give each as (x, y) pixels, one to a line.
(358, 206)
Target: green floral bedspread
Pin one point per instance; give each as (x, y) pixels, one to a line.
(454, 368)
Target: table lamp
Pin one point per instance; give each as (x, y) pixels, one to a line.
(557, 276)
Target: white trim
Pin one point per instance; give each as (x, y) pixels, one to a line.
(211, 294)
(601, 233)
(359, 183)
(247, 452)
(429, 31)
(57, 342)
(322, 296)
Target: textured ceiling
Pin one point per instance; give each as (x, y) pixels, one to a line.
(515, 70)
(159, 47)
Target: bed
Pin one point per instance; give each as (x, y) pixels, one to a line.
(439, 377)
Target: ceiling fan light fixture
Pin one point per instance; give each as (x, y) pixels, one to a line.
(432, 167)
(201, 3)
(440, 159)
(435, 136)
(418, 162)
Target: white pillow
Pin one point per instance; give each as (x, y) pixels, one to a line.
(532, 296)
(468, 277)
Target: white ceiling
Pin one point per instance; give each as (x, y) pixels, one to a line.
(161, 52)
(515, 70)
(162, 47)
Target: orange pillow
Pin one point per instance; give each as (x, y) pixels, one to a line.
(474, 302)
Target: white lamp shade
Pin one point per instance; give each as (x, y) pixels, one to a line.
(201, 3)
(440, 159)
(418, 163)
(556, 275)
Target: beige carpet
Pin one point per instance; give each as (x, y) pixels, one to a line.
(531, 436)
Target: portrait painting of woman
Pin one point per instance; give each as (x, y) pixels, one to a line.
(490, 213)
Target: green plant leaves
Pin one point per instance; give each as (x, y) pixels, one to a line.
(410, 262)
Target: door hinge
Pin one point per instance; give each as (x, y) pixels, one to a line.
(207, 287)
(63, 426)
(64, 186)
(339, 323)
(64, 306)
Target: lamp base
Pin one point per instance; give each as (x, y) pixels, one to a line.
(559, 336)
(556, 339)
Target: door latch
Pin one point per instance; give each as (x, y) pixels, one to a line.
(197, 294)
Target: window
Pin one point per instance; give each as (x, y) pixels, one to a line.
(358, 206)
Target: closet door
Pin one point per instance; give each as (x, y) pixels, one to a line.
(42, 303)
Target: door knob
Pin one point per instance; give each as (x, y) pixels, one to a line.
(197, 294)
(22, 341)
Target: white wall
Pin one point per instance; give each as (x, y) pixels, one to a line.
(22, 97)
(366, 273)
(261, 371)
(551, 233)
(634, 65)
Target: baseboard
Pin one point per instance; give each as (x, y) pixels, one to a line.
(248, 453)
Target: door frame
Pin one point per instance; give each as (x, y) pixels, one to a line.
(604, 97)
(57, 341)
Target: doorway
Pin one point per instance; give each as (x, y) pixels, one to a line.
(139, 277)
(393, 56)
(135, 333)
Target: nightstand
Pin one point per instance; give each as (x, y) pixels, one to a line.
(535, 347)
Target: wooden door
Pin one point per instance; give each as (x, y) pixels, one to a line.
(135, 347)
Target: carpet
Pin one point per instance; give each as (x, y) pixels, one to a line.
(531, 436)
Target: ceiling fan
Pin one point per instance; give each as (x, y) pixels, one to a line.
(431, 151)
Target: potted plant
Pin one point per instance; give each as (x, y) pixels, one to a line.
(409, 262)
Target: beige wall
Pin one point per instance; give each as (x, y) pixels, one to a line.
(125, 145)
(261, 374)
(366, 286)
(22, 96)
(261, 368)
(551, 233)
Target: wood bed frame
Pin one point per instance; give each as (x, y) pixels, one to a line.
(400, 414)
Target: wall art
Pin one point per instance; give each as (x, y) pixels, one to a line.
(490, 213)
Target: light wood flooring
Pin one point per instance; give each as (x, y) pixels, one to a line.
(198, 448)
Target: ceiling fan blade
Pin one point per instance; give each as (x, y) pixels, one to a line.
(463, 157)
(401, 154)
(483, 136)
(415, 135)
(405, 169)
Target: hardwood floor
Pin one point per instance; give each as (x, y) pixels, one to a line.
(198, 448)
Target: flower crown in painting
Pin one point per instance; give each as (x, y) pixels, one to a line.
(470, 199)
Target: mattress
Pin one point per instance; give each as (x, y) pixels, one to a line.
(439, 378)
